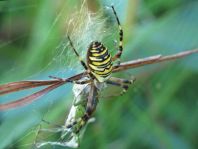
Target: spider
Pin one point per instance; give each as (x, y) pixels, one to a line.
(98, 69)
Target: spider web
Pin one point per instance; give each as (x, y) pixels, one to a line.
(83, 26)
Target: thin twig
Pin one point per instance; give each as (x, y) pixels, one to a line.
(123, 66)
(152, 60)
(142, 62)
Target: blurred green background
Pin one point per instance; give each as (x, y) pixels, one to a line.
(160, 111)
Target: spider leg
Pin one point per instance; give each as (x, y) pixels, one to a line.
(124, 83)
(76, 82)
(54, 77)
(82, 82)
(80, 59)
(120, 49)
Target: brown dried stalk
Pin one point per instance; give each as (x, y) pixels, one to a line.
(152, 60)
(52, 84)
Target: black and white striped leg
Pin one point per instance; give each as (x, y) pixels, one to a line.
(75, 82)
(82, 82)
(120, 48)
(75, 51)
(124, 83)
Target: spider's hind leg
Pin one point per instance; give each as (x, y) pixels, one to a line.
(124, 83)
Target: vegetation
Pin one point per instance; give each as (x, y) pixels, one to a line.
(159, 111)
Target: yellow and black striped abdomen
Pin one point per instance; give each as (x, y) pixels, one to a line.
(99, 61)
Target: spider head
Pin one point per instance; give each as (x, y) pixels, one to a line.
(96, 46)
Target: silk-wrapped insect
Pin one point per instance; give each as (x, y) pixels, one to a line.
(73, 129)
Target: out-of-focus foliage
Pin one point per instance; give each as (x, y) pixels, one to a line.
(159, 111)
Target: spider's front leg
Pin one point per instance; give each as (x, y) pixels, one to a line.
(124, 83)
(120, 48)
